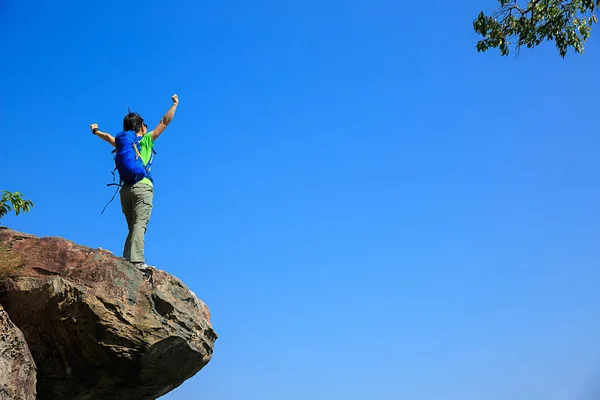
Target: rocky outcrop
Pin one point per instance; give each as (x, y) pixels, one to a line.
(17, 369)
(97, 327)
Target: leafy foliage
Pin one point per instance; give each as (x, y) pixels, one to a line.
(566, 22)
(14, 202)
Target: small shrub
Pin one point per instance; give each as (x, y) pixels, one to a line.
(9, 262)
(14, 202)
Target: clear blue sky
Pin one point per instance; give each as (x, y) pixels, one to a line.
(370, 209)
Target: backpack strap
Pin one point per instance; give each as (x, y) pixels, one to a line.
(137, 151)
(149, 165)
(118, 185)
(114, 169)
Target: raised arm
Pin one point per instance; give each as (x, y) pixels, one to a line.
(107, 137)
(166, 119)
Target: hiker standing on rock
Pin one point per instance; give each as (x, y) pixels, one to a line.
(134, 155)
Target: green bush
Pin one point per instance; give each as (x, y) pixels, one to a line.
(14, 202)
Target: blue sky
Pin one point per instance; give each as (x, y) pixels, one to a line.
(370, 208)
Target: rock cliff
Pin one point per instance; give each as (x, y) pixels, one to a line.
(97, 327)
(17, 369)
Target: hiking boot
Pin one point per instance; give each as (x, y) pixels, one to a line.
(142, 266)
(146, 271)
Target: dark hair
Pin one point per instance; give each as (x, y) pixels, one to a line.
(133, 122)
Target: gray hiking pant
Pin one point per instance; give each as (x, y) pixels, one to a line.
(136, 201)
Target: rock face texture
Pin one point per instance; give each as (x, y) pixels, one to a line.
(17, 369)
(97, 327)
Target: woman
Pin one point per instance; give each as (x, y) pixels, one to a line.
(136, 198)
